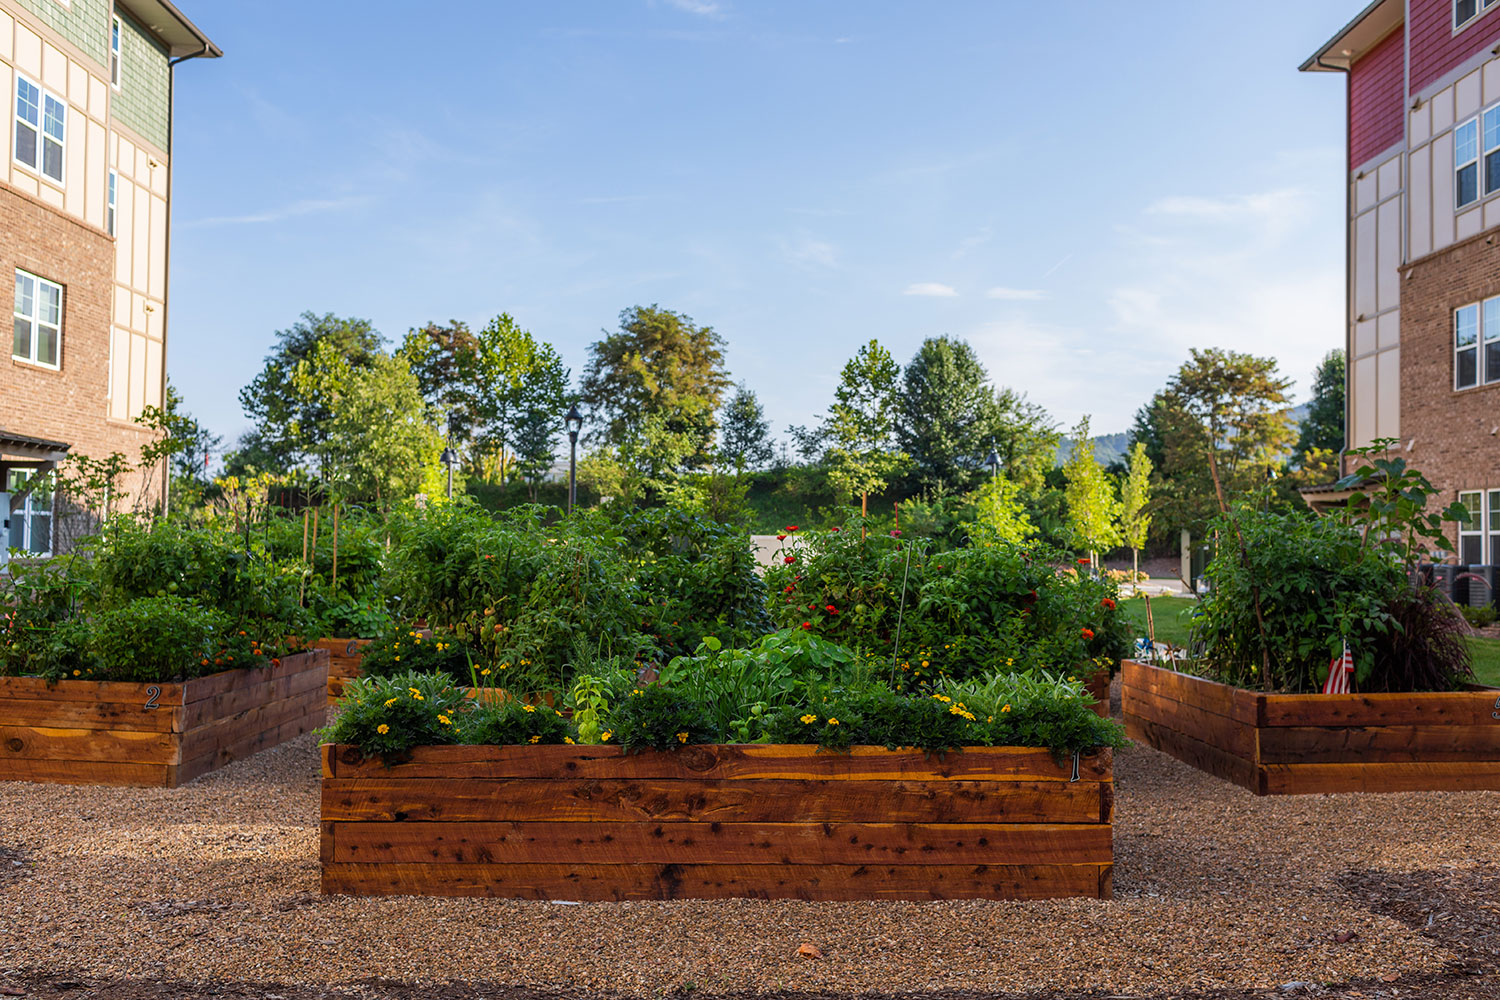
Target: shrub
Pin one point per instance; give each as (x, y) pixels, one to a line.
(405, 650)
(1482, 617)
(153, 639)
(658, 717)
(388, 716)
(506, 721)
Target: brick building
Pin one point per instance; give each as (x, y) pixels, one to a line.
(85, 195)
(1423, 287)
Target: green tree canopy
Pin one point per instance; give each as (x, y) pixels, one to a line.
(656, 383)
(861, 424)
(948, 417)
(1135, 500)
(1323, 427)
(1093, 510)
(745, 437)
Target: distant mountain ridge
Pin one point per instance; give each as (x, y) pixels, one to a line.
(1110, 448)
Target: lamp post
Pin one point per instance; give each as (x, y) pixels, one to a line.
(993, 461)
(448, 457)
(574, 423)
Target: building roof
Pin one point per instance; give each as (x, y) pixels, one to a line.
(32, 447)
(1357, 37)
(172, 28)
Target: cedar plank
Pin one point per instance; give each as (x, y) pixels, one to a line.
(1219, 731)
(721, 843)
(90, 715)
(726, 761)
(1369, 744)
(1446, 776)
(1458, 708)
(1193, 752)
(86, 772)
(123, 692)
(1200, 693)
(242, 725)
(736, 801)
(54, 743)
(677, 881)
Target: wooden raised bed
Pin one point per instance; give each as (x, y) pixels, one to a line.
(707, 822)
(344, 656)
(121, 733)
(1288, 744)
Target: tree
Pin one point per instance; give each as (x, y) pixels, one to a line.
(861, 425)
(999, 515)
(379, 444)
(1025, 438)
(1323, 427)
(290, 426)
(1135, 496)
(538, 412)
(1093, 511)
(657, 383)
(948, 415)
(182, 445)
(745, 437)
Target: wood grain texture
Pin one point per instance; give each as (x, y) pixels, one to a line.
(1448, 776)
(684, 881)
(741, 762)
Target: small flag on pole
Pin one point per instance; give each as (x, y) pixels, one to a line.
(1340, 673)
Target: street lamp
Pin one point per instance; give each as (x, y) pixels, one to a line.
(994, 463)
(448, 458)
(574, 423)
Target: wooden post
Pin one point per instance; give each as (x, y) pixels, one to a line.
(313, 562)
(302, 587)
(334, 585)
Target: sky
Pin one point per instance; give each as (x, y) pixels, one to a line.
(1082, 191)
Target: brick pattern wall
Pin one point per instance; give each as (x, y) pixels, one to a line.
(85, 23)
(1377, 99)
(142, 102)
(1457, 444)
(1435, 49)
(67, 405)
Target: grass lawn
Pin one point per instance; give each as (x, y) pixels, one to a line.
(1171, 616)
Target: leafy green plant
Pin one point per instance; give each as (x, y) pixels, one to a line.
(354, 619)
(1482, 617)
(388, 716)
(658, 717)
(506, 722)
(406, 650)
(162, 638)
(1388, 504)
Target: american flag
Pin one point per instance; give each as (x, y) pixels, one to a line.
(1340, 672)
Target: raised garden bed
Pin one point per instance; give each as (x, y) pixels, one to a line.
(711, 821)
(344, 656)
(1287, 744)
(119, 733)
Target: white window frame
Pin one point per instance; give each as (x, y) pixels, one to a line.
(1485, 526)
(1459, 166)
(36, 322)
(1473, 345)
(116, 59)
(43, 136)
(1480, 8)
(27, 514)
(1486, 331)
(111, 204)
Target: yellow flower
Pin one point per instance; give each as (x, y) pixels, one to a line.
(1010, 661)
(382, 729)
(77, 672)
(567, 739)
(528, 708)
(504, 666)
(445, 720)
(418, 696)
(391, 701)
(604, 736)
(485, 672)
(833, 722)
(682, 737)
(398, 659)
(924, 663)
(808, 720)
(414, 691)
(535, 739)
(1005, 709)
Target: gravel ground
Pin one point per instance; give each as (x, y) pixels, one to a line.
(213, 888)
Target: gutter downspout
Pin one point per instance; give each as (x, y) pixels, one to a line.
(166, 472)
(1348, 262)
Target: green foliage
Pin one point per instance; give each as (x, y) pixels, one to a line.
(388, 716)
(1093, 510)
(40, 601)
(1036, 709)
(1388, 505)
(402, 650)
(152, 639)
(948, 417)
(861, 426)
(658, 717)
(182, 445)
(1135, 499)
(508, 722)
(745, 436)
(657, 383)
(1427, 648)
(1482, 617)
(999, 515)
(1323, 427)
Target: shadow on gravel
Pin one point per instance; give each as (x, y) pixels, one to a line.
(13, 865)
(1457, 909)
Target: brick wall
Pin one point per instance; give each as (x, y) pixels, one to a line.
(1377, 99)
(1457, 444)
(70, 404)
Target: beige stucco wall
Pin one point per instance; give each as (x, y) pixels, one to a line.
(1375, 222)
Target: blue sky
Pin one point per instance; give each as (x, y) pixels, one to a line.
(1081, 195)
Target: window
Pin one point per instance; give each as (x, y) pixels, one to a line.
(1465, 11)
(1466, 163)
(31, 523)
(38, 320)
(41, 123)
(114, 53)
(109, 210)
(1479, 531)
(1465, 347)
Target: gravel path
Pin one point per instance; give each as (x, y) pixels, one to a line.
(1218, 893)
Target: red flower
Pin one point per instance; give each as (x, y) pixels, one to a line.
(1108, 603)
(896, 534)
(837, 529)
(791, 527)
(1088, 633)
(830, 609)
(789, 560)
(807, 625)
(788, 589)
(781, 538)
(1084, 562)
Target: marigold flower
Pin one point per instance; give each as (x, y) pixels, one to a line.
(414, 691)
(1005, 709)
(808, 720)
(807, 625)
(445, 720)
(485, 672)
(382, 729)
(682, 737)
(568, 739)
(1088, 633)
(1107, 603)
(830, 609)
(528, 708)
(789, 560)
(833, 722)
(391, 701)
(604, 736)
(535, 739)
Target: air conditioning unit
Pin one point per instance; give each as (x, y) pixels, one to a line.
(1446, 580)
(1481, 581)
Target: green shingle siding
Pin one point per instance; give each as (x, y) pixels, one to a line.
(85, 23)
(143, 102)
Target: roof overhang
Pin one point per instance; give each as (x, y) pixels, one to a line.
(179, 36)
(1357, 37)
(32, 449)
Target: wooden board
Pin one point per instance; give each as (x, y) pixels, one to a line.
(1315, 743)
(154, 734)
(344, 658)
(744, 761)
(574, 822)
(679, 881)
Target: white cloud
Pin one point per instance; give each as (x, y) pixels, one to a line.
(703, 8)
(809, 252)
(931, 289)
(1015, 294)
